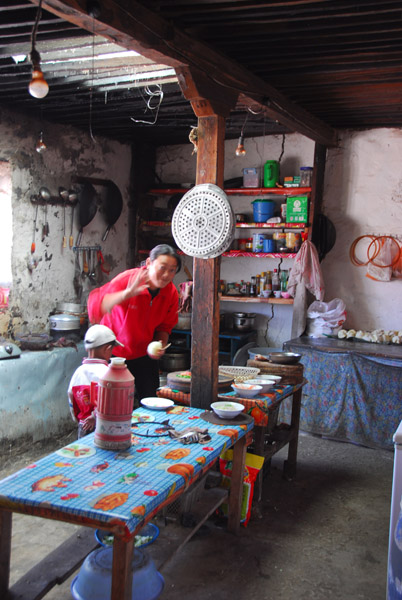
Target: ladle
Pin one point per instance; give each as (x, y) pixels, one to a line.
(44, 193)
(72, 198)
(64, 195)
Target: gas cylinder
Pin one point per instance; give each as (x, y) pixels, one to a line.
(114, 407)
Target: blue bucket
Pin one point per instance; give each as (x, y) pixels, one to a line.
(263, 210)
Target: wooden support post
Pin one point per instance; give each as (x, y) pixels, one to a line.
(205, 322)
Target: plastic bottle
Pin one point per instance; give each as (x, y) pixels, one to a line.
(276, 286)
(115, 407)
(284, 280)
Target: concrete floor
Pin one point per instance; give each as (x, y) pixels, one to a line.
(323, 535)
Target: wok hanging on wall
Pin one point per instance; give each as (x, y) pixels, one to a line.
(87, 208)
(113, 206)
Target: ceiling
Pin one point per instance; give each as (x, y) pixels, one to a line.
(296, 65)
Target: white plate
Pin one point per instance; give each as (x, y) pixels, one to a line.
(157, 403)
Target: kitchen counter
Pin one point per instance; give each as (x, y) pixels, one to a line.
(354, 389)
(33, 393)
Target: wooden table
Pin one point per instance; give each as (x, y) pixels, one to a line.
(269, 438)
(120, 491)
(354, 390)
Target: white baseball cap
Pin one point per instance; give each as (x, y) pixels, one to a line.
(98, 335)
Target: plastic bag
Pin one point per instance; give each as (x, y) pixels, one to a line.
(380, 268)
(325, 318)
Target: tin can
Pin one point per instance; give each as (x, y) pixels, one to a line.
(258, 241)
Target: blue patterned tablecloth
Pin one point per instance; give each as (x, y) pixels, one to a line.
(118, 488)
(350, 396)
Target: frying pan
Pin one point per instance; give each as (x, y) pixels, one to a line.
(324, 235)
(87, 208)
(113, 206)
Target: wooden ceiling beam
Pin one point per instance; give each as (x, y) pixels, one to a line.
(129, 24)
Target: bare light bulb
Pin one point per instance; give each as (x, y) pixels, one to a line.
(38, 86)
(240, 150)
(40, 144)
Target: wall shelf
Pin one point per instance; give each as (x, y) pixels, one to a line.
(256, 299)
(294, 191)
(243, 253)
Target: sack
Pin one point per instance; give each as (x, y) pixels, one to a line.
(325, 318)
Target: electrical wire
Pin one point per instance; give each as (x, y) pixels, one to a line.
(152, 94)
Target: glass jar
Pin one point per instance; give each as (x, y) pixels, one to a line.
(306, 174)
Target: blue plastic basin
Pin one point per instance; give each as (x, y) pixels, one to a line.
(94, 580)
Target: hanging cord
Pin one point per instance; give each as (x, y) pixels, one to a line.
(35, 27)
(92, 82)
(148, 102)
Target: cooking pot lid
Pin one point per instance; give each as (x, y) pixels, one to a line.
(203, 223)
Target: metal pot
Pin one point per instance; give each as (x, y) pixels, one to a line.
(243, 321)
(177, 360)
(184, 321)
(64, 325)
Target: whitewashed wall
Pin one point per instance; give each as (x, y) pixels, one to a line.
(69, 153)
(362, 195)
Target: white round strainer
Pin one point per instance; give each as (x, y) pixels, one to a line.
(203, 223)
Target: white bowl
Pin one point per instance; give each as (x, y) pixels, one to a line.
(245, 390)
(275, 378)
(265, 383)
(227, 410)
(157, 403)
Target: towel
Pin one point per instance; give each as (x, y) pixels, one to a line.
(307, 270)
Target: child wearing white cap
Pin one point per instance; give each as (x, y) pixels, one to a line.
(99, 342)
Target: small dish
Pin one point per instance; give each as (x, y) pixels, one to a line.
(227, 410)
(244, 390)
(285, 294)
(277, 293)
(157, 403)
(265, 383)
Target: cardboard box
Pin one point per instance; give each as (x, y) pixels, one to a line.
(297, 209)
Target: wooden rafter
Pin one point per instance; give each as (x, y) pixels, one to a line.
(131, 25)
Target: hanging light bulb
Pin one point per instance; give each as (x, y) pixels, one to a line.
(240, 150)
(40, 144)
(38, 86)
